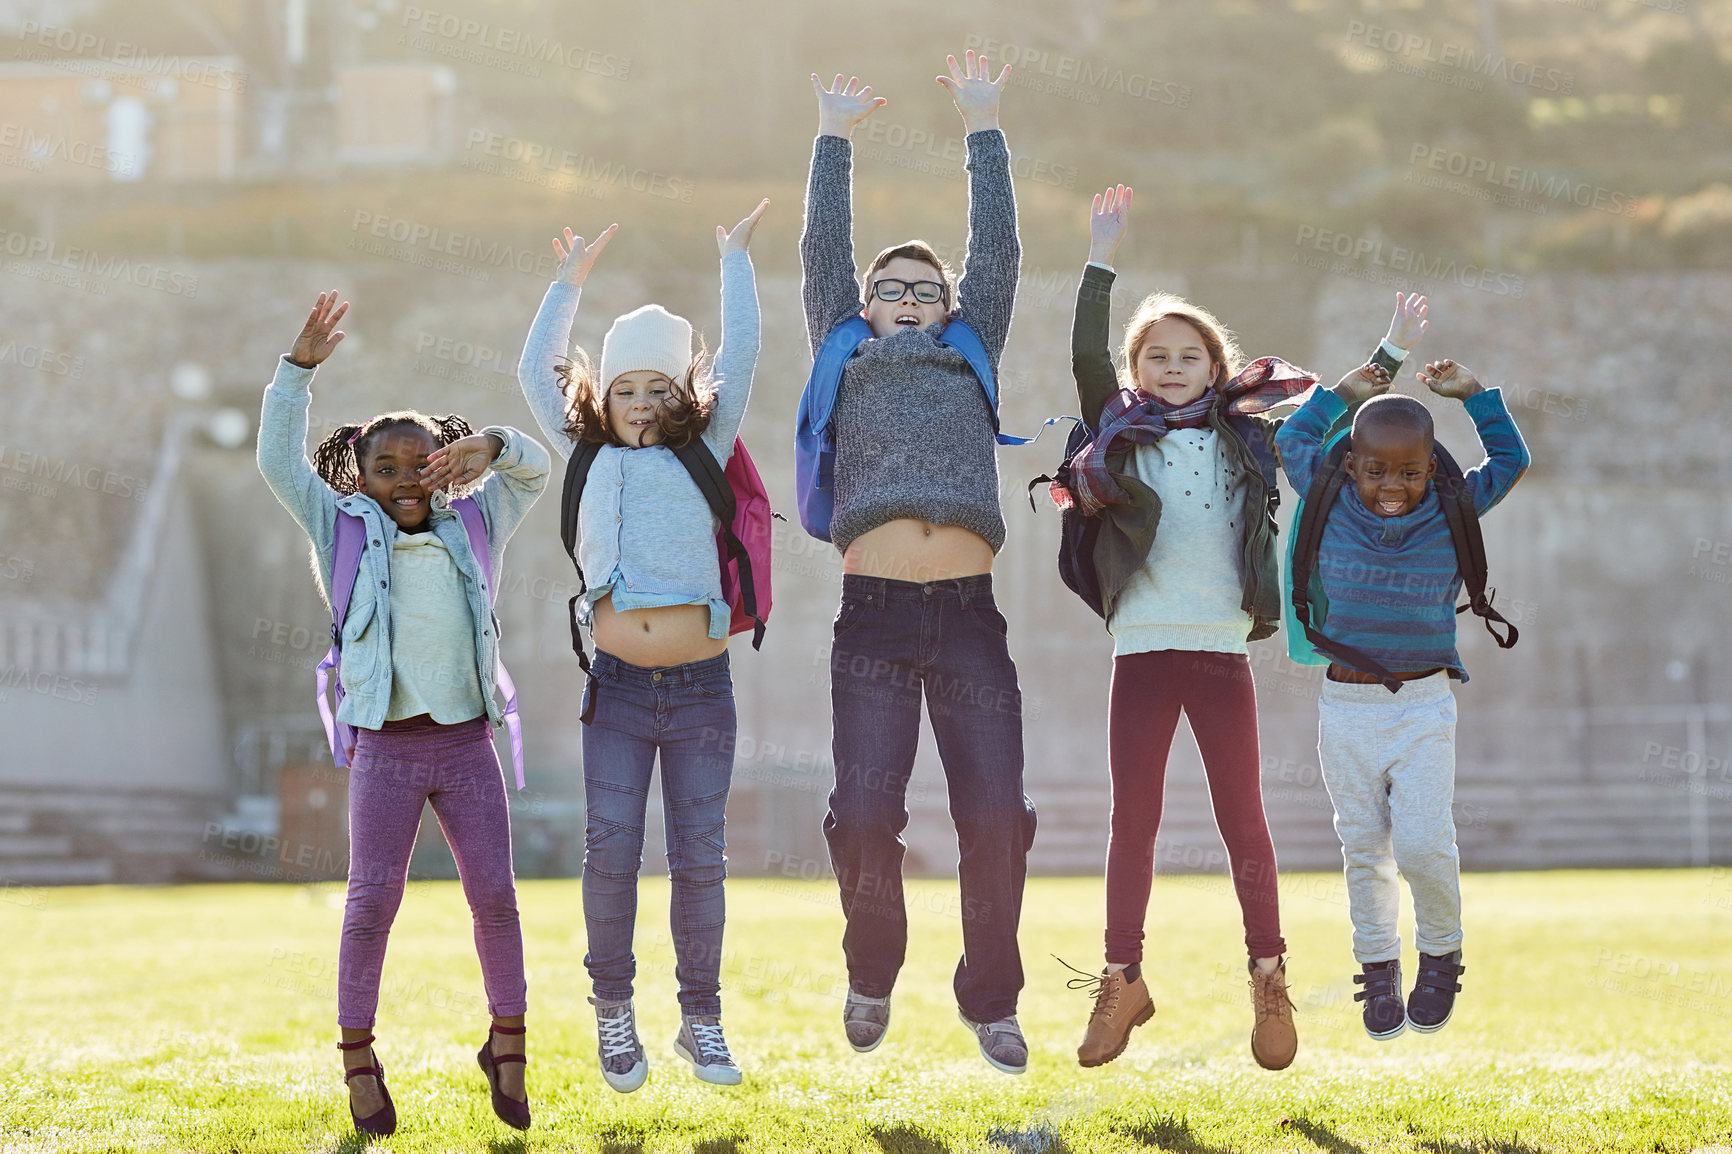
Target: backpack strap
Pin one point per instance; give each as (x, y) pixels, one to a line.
(814, 440)
(349, 541)
(712, 482)
(476, 526)
(570, 504)
(960, 335)
(1319, 500)
(1457, 501)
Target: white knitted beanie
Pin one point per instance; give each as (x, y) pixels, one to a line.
(647, 338)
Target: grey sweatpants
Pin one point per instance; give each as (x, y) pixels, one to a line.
(1389, 763)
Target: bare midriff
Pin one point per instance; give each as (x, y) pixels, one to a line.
(664, 635)
(909, 549)
(1355, 677)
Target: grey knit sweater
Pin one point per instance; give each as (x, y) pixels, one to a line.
(914, 435)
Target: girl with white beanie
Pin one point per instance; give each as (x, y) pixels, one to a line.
(659, 682)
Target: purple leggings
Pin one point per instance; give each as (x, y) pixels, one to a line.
(394, 772)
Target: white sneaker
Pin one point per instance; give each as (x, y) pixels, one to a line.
(623, 1061)
(700, 1042)
(1001, 1043)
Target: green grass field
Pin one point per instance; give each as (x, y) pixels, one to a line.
(1596, 1017)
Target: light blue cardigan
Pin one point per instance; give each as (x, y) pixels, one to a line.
(517, 478)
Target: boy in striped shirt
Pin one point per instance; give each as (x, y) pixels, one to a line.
(1388, 568)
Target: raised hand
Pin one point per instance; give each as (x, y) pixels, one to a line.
(317, 341)
(741, 237)
(975, 92)
(462, 461)
(1448, 379)
(841, 107)
(1107, 223)
(1363, 383)
(575, 257)
(1408, 323)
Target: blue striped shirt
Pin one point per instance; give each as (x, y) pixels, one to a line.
(1391, 583)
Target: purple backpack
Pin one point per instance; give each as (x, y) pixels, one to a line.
(351, 539)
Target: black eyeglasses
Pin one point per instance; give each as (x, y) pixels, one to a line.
(892, 290)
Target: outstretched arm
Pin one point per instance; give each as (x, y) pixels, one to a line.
(1091, 359)
(550, 336)
(1506, 454)
(986, 294)
(282, 446)
(737, 354)
(827, 287)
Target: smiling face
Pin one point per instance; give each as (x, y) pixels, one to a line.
(391, 473)
(1390, 467)
(1173, 364)
(633, 401)
(888, 317)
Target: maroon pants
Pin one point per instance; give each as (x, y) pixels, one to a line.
(1217, 696)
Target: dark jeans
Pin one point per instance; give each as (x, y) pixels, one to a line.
(687, 713)
(894, 640)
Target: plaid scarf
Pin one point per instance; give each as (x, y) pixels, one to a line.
(1139, 419)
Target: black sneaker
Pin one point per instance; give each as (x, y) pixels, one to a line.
(1384, 1017)
(1434, 989)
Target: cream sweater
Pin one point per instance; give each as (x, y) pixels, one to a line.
(1187, 594)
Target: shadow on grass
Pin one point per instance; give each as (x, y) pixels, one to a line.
(1322, 1136)
(512, 1145)
(728, 1145)
(1479, 1146)
(905, 1139)
(618, 1140)
(1168, 1134)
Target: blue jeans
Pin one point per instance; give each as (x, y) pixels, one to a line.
(687, 713)
(893, 642)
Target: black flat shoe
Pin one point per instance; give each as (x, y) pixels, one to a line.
(384, 1120)
(510, 1111)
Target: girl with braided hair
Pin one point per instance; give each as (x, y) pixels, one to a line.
(420, 652)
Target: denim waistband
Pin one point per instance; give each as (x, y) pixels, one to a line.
(607, 666)
(885, 590)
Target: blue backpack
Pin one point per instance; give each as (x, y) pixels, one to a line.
(815, 441)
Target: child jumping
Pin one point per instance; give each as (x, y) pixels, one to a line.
(1388, 568)
(1181, 445)
(419, 660)
(660, 680)
(917, 520)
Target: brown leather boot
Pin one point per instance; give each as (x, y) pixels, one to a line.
(1121, 1005)
(1274, 1041)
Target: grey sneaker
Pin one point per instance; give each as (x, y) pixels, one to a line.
(701, 1043)
(1001, 1043)
(623, 1062)
(865, 1019)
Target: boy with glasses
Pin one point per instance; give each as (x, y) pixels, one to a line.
(916, 517)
